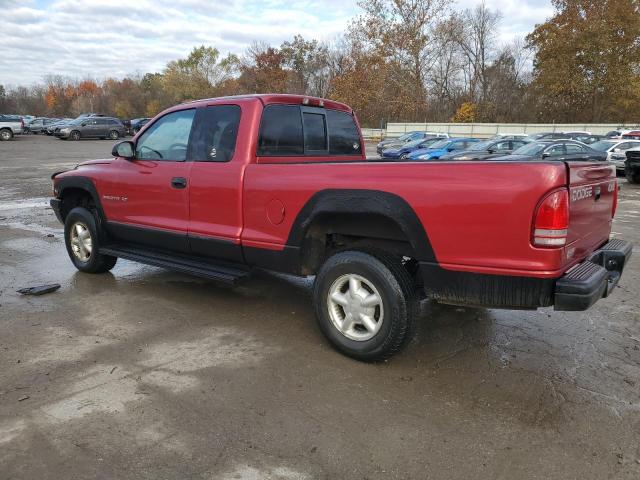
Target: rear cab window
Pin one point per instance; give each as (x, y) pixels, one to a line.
(293, 130)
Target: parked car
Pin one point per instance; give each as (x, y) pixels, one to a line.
(548, 136)
(39, 125)
(563, 150)
(443, 147)
(586, 139)
(486, 149)
(631, 135)
(10, 125)
(632, 165)
(297, 195)
(510, 136)
(50, 129)
(91, 127)
(402, 152)
(615, 150)
(406, 138)
(137, 124)
(613, 134)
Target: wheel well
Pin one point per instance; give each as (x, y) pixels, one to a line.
(329, 233)
(75, 197)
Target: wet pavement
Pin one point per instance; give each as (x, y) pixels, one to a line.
(144, 373)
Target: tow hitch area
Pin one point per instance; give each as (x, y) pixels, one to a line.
(589, 281)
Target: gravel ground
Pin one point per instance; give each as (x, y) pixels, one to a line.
(148, 374)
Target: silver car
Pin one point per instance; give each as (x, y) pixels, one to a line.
(615, 150)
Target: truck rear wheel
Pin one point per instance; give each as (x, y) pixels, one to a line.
(82, 239)
(364, 304)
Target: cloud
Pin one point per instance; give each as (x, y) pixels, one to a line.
(101, 38)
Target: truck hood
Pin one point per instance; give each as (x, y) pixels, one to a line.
(104, 161)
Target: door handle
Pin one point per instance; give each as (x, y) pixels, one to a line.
(179, 182)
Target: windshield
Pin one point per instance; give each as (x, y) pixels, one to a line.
(439, 144)
(413, 143)
(602, 145)
(404, 137)
(532, 148)
(538, 135)
(481, 145)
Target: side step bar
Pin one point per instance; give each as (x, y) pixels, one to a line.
(198, 266)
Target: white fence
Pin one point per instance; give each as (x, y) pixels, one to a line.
(485, 130)
(373, 133)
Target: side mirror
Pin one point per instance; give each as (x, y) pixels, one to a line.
(123, 149)
(83, 124)
(617, 150)
(490, 150)
(546, 154)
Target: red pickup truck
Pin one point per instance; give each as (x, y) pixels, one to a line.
(222, 186)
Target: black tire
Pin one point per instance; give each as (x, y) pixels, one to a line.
(114, 135)
(6, 134)
(95, 262)
(74, 135)
(396, 289)
(633, 176)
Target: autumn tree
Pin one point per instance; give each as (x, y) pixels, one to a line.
(587, 60)
(263, 70)
(401, 33)
(198, 75)
(308, 62)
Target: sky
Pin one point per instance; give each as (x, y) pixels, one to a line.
(114, 38)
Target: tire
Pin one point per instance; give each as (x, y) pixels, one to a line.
(5, 134)
(79, 226)
(75, 135)
(633, 176)
(375, 274)
(114, 135)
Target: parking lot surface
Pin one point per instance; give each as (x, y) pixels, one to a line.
(144, 373)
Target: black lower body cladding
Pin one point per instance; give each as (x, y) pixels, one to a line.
(578, 289)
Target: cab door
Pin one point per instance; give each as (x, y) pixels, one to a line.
(148, 203)
(215, 193)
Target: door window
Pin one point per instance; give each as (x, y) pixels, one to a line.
(215, 133)
(501, 146)
(555, 151)
(572, 149)
(167, 138)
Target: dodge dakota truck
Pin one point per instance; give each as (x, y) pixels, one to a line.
(223, 186)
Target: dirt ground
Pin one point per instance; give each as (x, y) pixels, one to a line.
(148, 374)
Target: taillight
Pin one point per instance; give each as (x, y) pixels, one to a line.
(551, 220)
(615, 199)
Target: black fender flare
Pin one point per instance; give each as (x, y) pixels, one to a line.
(354, 201)
(81, 183)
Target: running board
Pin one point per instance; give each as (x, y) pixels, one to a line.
(191, 265)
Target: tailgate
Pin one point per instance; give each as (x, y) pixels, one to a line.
(592, 193)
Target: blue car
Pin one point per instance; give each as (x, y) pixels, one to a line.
(442, 147)
(402, 152)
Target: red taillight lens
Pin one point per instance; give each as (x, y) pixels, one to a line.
(616, 187)
(551, 220)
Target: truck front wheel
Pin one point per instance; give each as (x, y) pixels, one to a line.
(82, 239)
(364, 304)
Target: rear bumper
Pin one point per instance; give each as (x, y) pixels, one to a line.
(589, 281)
